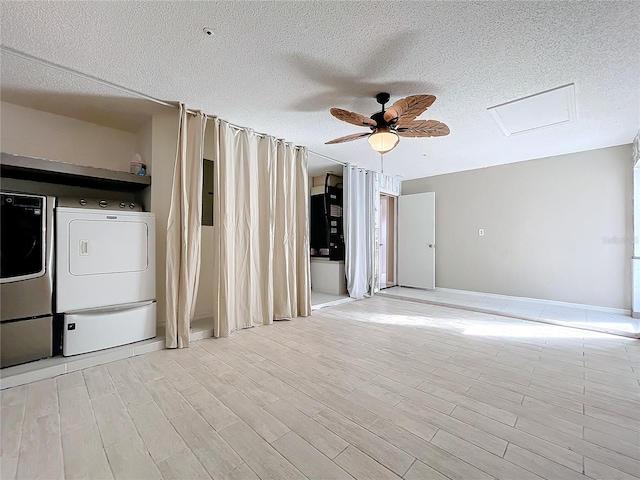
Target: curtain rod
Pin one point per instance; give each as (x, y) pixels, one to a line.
(214, 117)
(328, 158)
(18, 53)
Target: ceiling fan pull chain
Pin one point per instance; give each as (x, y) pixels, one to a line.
(381, 163)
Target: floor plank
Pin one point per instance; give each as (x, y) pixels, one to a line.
(157, 433)
(307, 459)
(75, 409)
(167, 397)
(363, 467)
(563, 456)
(113, 420)
(130, 459)
(41, 449)
(420, 471)
(588, 449)
(41, 399)
(212, 410)
(265, 424)
(84, 455)
(480, 458)
(432, 456)
(380, 450)
(317, 435)
(539, 465)
(258, 454)
(217, 457)
(11, 420)
(182, 464)
(98, 381)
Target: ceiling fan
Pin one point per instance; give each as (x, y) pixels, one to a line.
(387, 125)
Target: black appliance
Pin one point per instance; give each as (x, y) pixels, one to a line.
(327, 231)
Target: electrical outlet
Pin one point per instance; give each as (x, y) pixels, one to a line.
(481, 232)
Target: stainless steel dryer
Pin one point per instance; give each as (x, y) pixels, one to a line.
(26, 277)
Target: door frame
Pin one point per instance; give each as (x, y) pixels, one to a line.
(392, 232)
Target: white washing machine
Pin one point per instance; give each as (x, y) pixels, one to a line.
(105, 274)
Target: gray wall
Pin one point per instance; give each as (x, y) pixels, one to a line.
(556, 228)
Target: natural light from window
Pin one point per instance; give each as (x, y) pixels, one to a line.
(531, 330)
(481, 325)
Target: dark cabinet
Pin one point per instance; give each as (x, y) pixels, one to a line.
(327, 234)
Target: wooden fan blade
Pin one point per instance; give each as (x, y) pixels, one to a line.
(406, 109)
(353, 118)
(424, 128)
(348, 138)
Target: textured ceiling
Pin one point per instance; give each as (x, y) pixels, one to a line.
(278, 67)
(42, 87)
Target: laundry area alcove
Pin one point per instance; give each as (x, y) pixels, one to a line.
(70, 144)
(328, 281)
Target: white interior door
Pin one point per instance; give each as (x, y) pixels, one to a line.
(416, 240)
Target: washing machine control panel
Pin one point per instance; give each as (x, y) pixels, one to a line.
(100, 204)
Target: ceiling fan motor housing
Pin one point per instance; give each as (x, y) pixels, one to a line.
(382, 98)
(379, 118)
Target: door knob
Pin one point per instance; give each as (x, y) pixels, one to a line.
(431, 245)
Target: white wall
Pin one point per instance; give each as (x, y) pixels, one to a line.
(204, 302)
(144, 144)
(144, 147)
(556, 228)
(33, 133)
(164, 134)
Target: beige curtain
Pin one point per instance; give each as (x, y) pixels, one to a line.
(261, 230)
(183, 229)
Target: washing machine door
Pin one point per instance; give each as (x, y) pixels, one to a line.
(26, 265)
(23, 229)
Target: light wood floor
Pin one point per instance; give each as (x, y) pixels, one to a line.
(379, 388)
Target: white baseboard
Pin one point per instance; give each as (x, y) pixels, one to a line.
(54, 366)
(621, 311)
(201, 335)
(315, 308)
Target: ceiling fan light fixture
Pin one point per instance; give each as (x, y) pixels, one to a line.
(383, 140)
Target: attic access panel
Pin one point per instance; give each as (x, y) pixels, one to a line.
(545, 109)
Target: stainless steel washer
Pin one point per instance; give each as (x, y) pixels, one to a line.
(26, 277)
